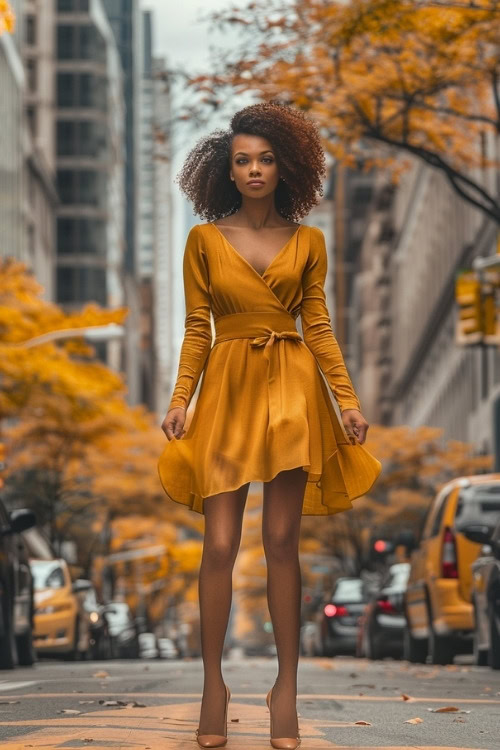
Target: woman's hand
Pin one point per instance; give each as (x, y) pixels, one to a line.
(355, 425)
(173, 423)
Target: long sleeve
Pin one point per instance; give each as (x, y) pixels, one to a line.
(198, 331)
(317, 327)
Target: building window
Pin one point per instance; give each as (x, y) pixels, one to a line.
(81, 237)
(66, 42)
(31, 74)
(81, 285)
(66, 6)
(65, 89)
(32, 120)
(66, 185)
(65, 138)
(30, 29)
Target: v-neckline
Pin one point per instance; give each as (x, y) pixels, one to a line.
(280, 251)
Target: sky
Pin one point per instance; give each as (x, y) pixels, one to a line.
(184, 40)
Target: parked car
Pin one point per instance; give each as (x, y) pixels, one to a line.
(122, 631)
(383, 620)
(167, 648)
(148, 648)
(97, 643)
(486, 595)
(59, 625)
(16, 590)
(438, 602)
(339, 617)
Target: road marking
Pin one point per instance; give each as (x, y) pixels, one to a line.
(243, 696)
(172, 726)
(7, 685)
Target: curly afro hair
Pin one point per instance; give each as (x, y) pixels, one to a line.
(296, 141)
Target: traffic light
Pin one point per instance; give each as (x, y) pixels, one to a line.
(380, 548)
(469, 329)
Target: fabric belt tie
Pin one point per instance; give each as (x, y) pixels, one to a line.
(265, 329)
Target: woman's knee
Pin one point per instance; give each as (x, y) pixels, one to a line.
(219, 551)
(280, 544)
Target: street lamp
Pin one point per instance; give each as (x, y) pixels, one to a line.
(106, 332)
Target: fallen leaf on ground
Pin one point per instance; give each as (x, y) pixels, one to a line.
(84, 703)
(234, 719)
(405, 697)
(363, 723)
(444, 710)
(102, 673)
(416, 720)
(69, 711)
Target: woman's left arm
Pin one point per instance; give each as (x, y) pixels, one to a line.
(319, 337)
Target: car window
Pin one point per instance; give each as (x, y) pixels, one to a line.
(397, 576)
(440, 508)
(47, 575)
(349, 590)
(478, 504)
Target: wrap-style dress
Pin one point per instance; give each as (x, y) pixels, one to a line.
(263, 404)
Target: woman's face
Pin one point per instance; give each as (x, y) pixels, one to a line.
(253, 166)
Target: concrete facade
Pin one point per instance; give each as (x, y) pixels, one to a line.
(408, 367)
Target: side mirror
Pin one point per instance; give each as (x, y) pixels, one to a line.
(21, 520)
(477, 534)
(81, 585)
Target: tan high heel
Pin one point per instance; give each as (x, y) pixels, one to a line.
(215, 740)
(283, 743)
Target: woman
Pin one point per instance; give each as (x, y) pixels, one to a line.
(264, 412)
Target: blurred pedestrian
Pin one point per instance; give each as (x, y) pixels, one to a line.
(263, 411)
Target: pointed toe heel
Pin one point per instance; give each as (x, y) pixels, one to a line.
(281, 743)
(215, 740)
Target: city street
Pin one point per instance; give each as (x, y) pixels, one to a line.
(342, 703)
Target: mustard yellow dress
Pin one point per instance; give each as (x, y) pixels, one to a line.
(263, 405)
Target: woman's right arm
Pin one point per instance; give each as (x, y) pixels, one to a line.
(198, 331)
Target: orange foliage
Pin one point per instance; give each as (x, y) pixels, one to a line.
(7, 17)
(412, 75)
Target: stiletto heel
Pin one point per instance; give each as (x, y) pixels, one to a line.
(215, 740)
(282, 743)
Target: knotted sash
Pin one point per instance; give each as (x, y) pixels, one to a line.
(265, 329)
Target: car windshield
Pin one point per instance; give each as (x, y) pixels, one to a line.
(479, 504)
(349, 589)
(47, 574)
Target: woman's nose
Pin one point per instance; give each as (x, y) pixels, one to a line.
(255, 169)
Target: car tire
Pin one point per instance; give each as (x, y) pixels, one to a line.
(494, 651)
(74, 653)
(414, 649)
(8, 645)
(25, 650)
(441, 648)
(480, 656)
(373, 651)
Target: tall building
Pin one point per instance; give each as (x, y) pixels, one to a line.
(409, 368)
(163, 262)
(38, 51)
(90, 160)
(27, 187)
(154, 242)
(12, 144)
(125, 21)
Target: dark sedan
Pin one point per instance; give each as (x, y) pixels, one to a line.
(16, 590)
(340, 617)
(383, 622)
(486, 595)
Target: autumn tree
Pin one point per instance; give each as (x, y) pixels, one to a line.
(7, 19)
(419, 77)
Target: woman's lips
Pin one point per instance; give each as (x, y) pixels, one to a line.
(255, 183)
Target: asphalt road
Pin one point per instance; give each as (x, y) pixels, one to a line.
(342, 702)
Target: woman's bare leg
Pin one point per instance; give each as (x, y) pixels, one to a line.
(223, 521)
(282, 512)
